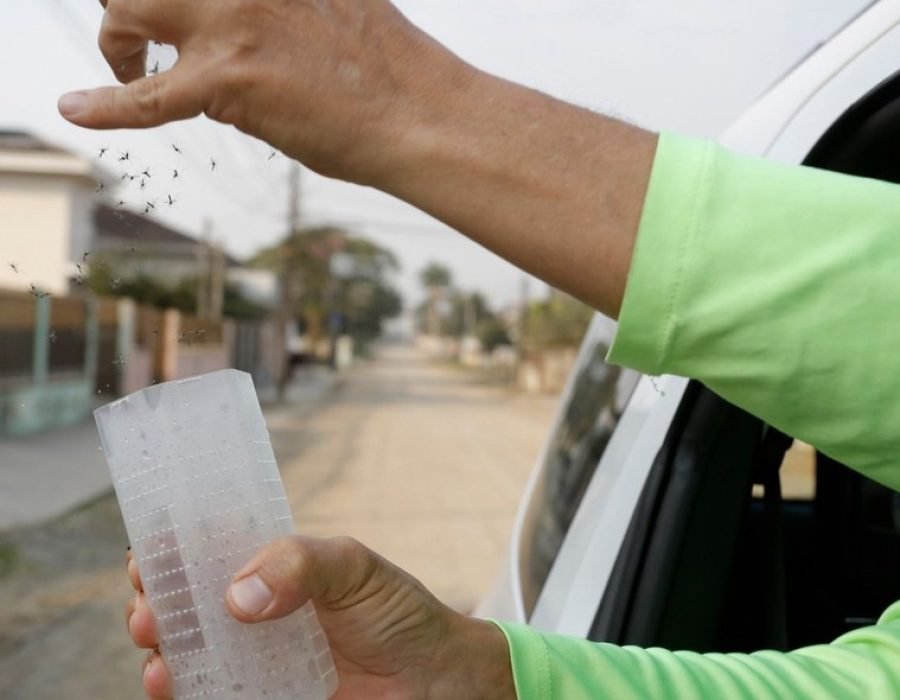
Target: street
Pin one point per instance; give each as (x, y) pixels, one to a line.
(403, 453)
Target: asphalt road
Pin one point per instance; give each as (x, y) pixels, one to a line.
(420, 461)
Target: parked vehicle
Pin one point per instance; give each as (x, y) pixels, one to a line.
(654, 515)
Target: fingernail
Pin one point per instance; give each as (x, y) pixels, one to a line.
(251, 595)
(72, 103)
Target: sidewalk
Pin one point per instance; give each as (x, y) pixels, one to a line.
(47, 475)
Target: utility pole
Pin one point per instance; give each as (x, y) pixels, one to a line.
(287, 278)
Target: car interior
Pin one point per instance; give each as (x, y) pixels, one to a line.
(715, 557)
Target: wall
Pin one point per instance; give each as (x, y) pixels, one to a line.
(35, 224)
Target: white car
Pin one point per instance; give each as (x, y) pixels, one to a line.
(645, 521)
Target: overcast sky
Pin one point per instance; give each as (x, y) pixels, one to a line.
(691, 66)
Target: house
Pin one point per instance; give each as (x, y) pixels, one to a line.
(46, 198)
(134, 245)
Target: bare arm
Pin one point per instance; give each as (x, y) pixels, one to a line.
(353, 90)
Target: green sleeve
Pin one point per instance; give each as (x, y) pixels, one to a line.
(776, 286)
(862, 665)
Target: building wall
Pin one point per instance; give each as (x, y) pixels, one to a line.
(81, 207)
(39, 215)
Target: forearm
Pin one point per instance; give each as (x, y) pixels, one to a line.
(355, 91)
(860, 665)
(555, 189)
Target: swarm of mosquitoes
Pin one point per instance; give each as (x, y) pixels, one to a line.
(141, 189)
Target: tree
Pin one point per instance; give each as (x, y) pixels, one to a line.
(437, 280)
(335, 281)
(557, 321)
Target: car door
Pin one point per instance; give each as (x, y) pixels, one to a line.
(682, 525)
(716, 558)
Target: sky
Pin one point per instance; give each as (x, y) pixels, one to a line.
(692, 66)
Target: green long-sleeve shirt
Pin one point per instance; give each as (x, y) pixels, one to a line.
(776, 286)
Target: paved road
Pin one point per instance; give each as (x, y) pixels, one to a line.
(419, 461)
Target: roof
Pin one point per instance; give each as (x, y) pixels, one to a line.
(23, 141)
(121, 227)
(22, 153)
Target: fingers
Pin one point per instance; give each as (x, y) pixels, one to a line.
(156, 679)
(147, 102)
(291, 571)
(141, 623)
(124, 48)
(133, 574)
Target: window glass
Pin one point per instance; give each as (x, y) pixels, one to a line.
(598, 400)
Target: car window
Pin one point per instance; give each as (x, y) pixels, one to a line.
(600, 394)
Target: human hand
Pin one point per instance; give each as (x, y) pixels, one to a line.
(390, 638)
(333, 83)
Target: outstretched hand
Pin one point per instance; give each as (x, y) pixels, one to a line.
(328, 82)
(390, 638)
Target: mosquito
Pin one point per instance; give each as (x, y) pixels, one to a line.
(124, 156)
(273, 154)
(176, 149)
(170, 200)
(155, 69)
(150, 205)
(143, 184)
(174, 174)
(85, 256)
(124, 177)
(146, 173)
(102, 152)
(120, 203)
(53, 336)
(100, 188)
(212, 164)
(37, 292)
(14, 267)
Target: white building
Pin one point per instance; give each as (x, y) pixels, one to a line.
(46, 199)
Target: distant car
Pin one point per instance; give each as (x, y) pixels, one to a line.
(654, 515)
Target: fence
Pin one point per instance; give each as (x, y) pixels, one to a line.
(48, 359)
(150, 345)
(17, 314)
(59, 355)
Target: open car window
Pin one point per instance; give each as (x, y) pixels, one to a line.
(599, 396)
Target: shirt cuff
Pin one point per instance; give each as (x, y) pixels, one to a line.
(666, 235)
(530, 661)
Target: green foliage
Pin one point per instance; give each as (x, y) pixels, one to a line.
(359, 291)
(558, 321)
(9, 559)
(182, 296)
(436, 276)
(492, 333)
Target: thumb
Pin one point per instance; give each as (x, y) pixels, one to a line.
(146, 102)
(291, 571)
